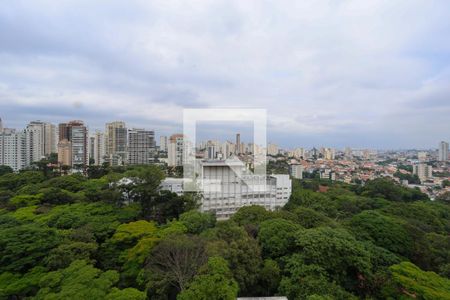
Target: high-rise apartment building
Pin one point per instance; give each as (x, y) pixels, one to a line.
(272, 149)
(63, 132)
(298, 153)
(296, 171)
(34, 142)
(13, 148)
(79, 140)
(65, 153)
(19, 149)
(422, 156)
(175, 151)
(443, 151)
(97, 148)
(423, 171)
(40, 140)
(116, 142)
(141, 146)
(329, 153)
(73, 145)
(238, 144)
(163, 143)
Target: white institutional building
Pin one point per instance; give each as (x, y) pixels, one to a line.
(228, 186)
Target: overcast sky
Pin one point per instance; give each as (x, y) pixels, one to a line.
(332, 73)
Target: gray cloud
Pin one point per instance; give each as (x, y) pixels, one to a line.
(333, 73)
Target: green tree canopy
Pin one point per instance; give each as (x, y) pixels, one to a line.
(214, 282)
(196, 221)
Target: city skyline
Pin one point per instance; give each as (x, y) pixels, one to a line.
(221, 135)
(382, 84)
(224, 136)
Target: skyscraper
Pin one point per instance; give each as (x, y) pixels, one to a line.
(40, 139)
(79, 140)
(12, 149)
(65, 153)
(116, 142)
(97, 148)
(443, 151)
(19, 149)
(175, 150)
(63, 132)
(34, 142)
(163, 143)
(141, 146)
(73, 145)
(238, 144)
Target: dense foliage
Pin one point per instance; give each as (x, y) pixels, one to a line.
(96, 237)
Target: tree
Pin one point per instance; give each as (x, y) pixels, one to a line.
(269, 278)
(44, 166)
(302, 280)
(276, 237)
(157, 205)
(24, 200)
(54, 195)
(126, 294)
(437, 253)
(72, 183)
(174, 262)
(412, 282)
(5, 170)
(254, 214)
(214, 282)
(411, 178)
(63, 255)
(314, 200)
(241, 251)
(388, 189)
(129, 233)
(336, 252)
(96, 172)
(167, 206)
(310, 218)
(130, 246)
(81, 281)
(15, 181)
(384, 231)
(23, 247)
(196, 221)
(17, 286)
(444, 197)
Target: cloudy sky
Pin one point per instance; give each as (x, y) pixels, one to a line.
(333, 73)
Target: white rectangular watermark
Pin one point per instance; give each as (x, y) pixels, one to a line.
(199, 173)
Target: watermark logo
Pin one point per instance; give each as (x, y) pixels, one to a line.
(211, 175)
